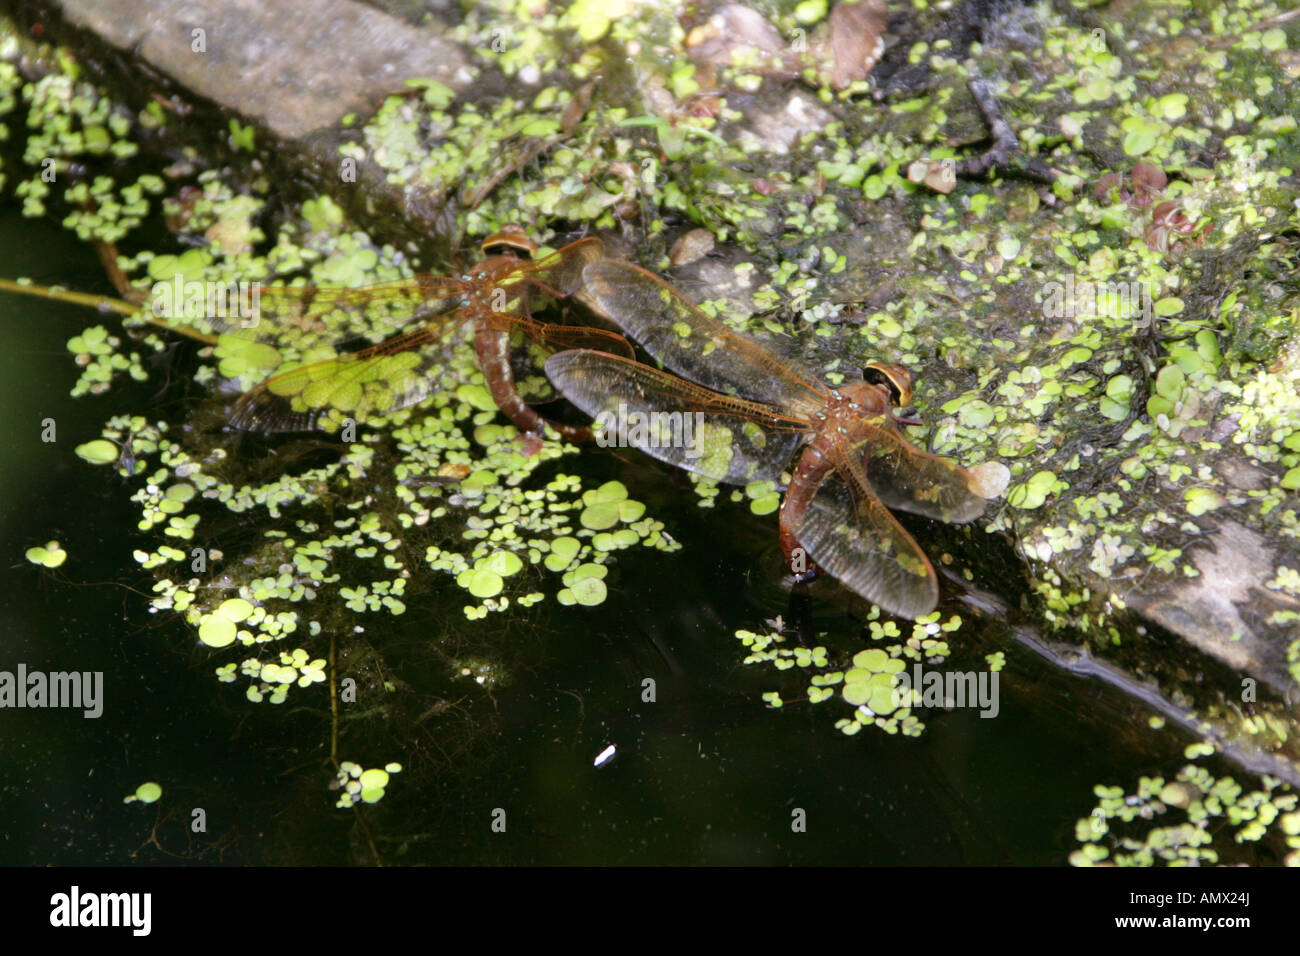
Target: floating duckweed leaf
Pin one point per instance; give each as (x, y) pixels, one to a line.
(1173, 106)
(1075, 356)
(592, 18)
(585, 585)
(1174, 795)
(873, 659)
(93, 341)
(629, 511)
(181, 493)
(235, 609)
(563, 551)
(481, 583)
(856, 693)
(976, 414)
(609, 491)
(1119, 394)
(882, 700)
(148, 792)
(238, 355)
(1033, 492)
(215, 630)
(488, 434)
(858, 675)
(477, 396)
(98, 452)
(1156, 406)
(477, 483)
(588, 591)
(1201, 500)
(1171, 383)
(51, 555)
(600, 516)
(1291, 480)
(1170, 305)
(1140, 140)
(504, 563)
(374, 778)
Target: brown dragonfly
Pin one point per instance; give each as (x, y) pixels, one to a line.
(749, 413)
(497, 297)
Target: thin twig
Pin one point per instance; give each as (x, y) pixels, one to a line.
(1005, 144)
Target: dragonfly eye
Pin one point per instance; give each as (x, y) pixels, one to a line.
(895, 378)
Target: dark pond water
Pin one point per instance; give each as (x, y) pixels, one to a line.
(705, 775)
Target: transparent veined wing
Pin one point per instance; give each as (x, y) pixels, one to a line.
(851, 535)
(375, 381)
(718, 436)
(909, 479)
(694, 345)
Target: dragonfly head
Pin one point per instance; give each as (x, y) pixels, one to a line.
(895, 378)
(510, 239)
(898, 382)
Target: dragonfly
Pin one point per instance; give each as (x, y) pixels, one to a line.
(496, 297)
(737, 411)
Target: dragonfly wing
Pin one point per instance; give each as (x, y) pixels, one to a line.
(718, 436)
(561, 338)
(278, 312)
(694, 345)
(909, 479)
(561, 273)
(374, 381)
(851, 535)
(557, 275)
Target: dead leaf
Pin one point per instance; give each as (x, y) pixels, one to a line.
(855, 42)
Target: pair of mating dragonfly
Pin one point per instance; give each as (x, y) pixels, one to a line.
(754, 407)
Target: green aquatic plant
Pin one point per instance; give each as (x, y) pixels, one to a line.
(145, 793)
(1194, 819)
(866, 680)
